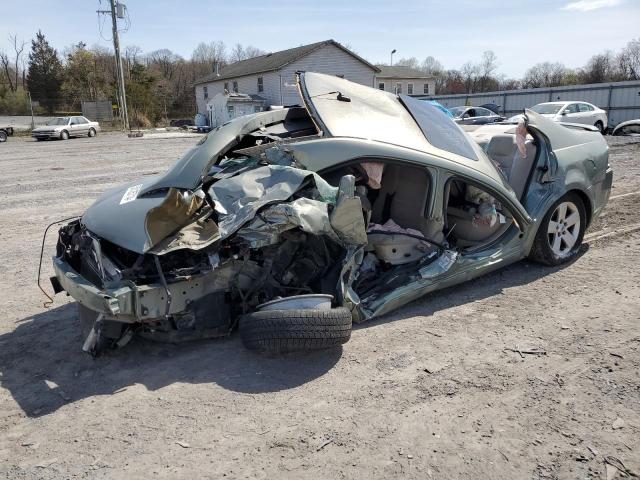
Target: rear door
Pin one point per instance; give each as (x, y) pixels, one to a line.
(587, 114)
(571, 113)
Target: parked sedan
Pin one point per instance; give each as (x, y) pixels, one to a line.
(295, 222)
(573, 112)
(474, 115)
(65, 127)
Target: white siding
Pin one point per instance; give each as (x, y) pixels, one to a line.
(418, 85)
(280, 86)
(328, 59)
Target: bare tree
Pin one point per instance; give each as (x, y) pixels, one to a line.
(12, 67)
(545, 74)
(486, 69)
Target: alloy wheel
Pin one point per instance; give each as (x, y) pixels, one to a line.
(564, 228)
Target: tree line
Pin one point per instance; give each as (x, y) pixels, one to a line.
(483, 76)
(159, 84)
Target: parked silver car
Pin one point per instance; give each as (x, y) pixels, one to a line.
(296, 222)
(571, 112)
(64, 127)
(474, 115)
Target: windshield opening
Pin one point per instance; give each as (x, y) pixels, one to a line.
(59, 121)
(439, 130)
(547, 108)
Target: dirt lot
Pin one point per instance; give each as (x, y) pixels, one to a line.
(427, 392)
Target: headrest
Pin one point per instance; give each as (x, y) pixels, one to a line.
(501, 145)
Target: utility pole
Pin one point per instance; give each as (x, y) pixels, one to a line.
(122, 96)
(33, 124)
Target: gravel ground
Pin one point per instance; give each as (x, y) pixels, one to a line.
(427, 392)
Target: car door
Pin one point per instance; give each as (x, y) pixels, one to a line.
(570, 113)
(587, 114)
(74, 127)
(483, 116)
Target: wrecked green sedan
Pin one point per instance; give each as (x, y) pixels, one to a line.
(293, 223)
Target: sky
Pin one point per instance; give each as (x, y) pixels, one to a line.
(520, 32)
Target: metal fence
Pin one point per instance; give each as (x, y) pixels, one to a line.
(621, 100)
(100, 111)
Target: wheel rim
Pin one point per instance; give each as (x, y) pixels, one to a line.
(564, 228)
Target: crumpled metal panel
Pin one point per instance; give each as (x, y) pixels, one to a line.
(310, 215)
(239, 198)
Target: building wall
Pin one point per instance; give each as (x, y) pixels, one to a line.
(280, 86)
(418, 85)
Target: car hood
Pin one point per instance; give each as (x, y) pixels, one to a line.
(122, 215)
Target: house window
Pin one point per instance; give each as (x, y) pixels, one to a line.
(398, 88)
(205, 91)
(410, 89)
(425, 89)
(381, 86)
(235, 87)
(226, 86)
(231, 110)
(256, 108)
(260, 84)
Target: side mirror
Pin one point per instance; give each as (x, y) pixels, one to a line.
(564, 112)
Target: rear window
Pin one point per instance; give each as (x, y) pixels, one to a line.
(439, 129)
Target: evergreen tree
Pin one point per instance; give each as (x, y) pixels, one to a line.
(44, 78)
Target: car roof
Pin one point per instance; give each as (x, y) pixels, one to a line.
(374, 115)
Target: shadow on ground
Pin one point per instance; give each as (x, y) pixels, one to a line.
(43, 367)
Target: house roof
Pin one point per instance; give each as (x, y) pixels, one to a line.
(399, 71)
(273, 61)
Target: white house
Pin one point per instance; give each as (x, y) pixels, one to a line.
(272, 76)
(405, 80)
(228, 105)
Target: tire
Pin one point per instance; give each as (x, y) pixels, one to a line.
(64, 135)
(283, 331)
(561, 232)
(3, 136)
(600, 126)
(92, 133)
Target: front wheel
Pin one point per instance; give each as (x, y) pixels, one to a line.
(284, 331)
(561, 231)
(64, 135)
(92, 132)
(3, 137)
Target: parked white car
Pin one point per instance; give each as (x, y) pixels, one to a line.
(571, 112)
(65, 127)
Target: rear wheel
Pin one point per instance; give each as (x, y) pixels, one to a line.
(282, 331)
(3, 136)
(600, 126)
(92, 132)
(64, 135)
(561, 231)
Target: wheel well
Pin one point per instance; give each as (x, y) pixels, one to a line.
(588, 209)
